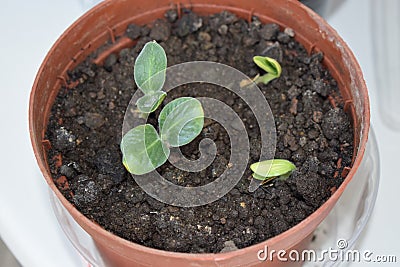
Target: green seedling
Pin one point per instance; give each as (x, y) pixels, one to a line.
(271, 66)
(268, 170)
(180, 121)
(149, 75)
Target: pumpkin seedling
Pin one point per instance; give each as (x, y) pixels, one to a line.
(180, 121)
(149, 75)
(268, 170)
(271, 66)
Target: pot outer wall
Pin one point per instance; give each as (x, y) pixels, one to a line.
(94, 28)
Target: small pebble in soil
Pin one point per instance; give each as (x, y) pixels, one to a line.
(289, 31)
(86, 190)
(303, 141)
(334, 123)
(189, 23)
(223, 29)
(105, 182)
(283, 37)
(311, 164)
(160, 30)
(269, 31)
(67, 171)
(229, 246)
(133, 31)
(64, 139)
(106, 163)
(110, 61)
(145, 31)
(293, 92)
(317, 116)
(171, 15)
(273, 51)
(319, 87)
(93, 120)
(309, 187)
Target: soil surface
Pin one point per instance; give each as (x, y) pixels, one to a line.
(313, 131)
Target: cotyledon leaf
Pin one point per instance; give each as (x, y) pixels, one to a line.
(143, 150)
(271, 168)
(268, 64)
(181, 121)
(150, 68)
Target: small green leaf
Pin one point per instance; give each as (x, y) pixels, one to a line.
(181, 121)
(151, 61)
(268, 64)
(272, 168)
(143, 150)
(149, 103)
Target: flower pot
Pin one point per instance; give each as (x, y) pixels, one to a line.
(110, 19)
(323, 8)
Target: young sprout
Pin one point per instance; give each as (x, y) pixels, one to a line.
(180, 121)
(271, 66)
(268, 170)
(149, 75)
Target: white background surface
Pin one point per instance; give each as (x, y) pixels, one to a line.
(27, 223)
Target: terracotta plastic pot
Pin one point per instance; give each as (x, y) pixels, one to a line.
(110, 19)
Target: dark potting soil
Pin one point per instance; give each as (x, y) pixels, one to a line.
(313, 131)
